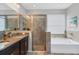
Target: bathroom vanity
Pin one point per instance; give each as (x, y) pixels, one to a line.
(17, 45)
(15, 39)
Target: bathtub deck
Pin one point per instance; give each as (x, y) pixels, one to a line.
(64, 46)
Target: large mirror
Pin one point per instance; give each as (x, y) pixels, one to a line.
(17, 23)
(2, 23)
(12, 22)
(25, 22)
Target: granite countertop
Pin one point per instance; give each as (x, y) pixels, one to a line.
(12, 40)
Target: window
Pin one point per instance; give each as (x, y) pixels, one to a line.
(56, 24)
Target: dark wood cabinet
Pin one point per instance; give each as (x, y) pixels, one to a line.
(18, 48)
(24, 46)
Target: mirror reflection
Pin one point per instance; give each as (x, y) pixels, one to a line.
(12, 23)
(15, 22)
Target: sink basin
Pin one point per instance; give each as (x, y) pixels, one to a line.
(3, 44)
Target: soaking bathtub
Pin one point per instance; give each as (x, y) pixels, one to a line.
(64, 46)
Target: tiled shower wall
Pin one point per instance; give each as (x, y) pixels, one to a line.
(39, 34)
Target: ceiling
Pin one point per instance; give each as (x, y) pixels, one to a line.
(3, 6)
(46, 5)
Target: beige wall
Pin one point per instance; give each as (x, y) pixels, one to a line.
(76, 36)
(73, 11)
